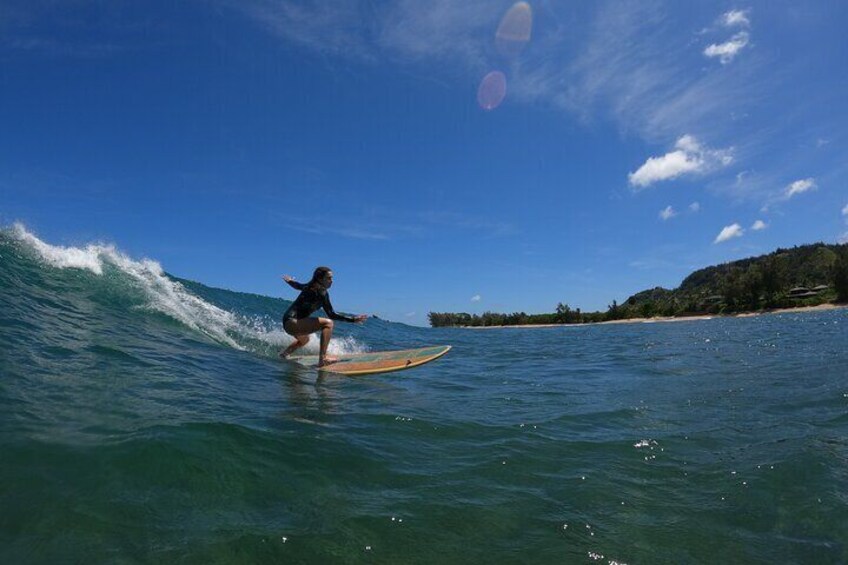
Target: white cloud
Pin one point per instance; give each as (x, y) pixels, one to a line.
(736, 18)
(728, 50)
(759, 225)
(410, 314)
(688, 157)
(799, 187)
(667, 212)
(694, 207)
(729, 232)
(845, 210)
(476, 298)
(668, 166)
(778, 196)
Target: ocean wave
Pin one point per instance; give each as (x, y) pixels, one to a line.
(161, 293)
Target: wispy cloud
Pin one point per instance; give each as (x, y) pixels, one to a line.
(476, 298)
(67, 49)
(68, 30)
(688, 157)
(767, 187)
(440, 29)
(728, 50)
(626, 63)
(729, 232)
(631, 65)
(759, 225)
(735, 18)
(651, 264)
(799, 187)
(330, 26)
(328, 228)
(667, 213)
(694, 207)
(493, 228)
(626, 66)
(390, 225)
(845, 211)
(361, 29)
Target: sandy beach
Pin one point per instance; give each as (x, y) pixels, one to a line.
(662, 319)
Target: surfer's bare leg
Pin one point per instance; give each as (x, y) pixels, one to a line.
(299, 341)
(304, 327)
(299, 330)
(326, 335)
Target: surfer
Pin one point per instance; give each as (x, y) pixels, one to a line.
(297, 321)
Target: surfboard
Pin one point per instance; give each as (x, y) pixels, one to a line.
(376, 361)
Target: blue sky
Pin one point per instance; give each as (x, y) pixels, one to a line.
(235, 141)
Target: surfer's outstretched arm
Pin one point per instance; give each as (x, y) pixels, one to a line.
(293, 283)
(333, 315)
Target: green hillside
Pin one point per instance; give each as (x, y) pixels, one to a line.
(802, 276)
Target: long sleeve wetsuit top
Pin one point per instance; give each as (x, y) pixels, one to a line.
(309, 301)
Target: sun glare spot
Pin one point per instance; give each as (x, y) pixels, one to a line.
(492, 90)
(515, 29)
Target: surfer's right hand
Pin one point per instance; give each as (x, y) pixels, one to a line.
(360, 319)
(287, 278)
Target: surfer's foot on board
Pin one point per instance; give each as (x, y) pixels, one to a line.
(327, 360)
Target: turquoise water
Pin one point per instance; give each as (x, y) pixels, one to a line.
(145, 419)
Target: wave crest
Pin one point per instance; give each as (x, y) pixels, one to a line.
(170, 297)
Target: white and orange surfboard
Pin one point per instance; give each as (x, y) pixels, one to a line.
(377, 361)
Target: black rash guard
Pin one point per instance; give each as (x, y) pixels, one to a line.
(309, 301)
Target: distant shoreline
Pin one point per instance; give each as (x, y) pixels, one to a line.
(662, 319)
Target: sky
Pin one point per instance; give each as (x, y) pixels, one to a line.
(438, 155)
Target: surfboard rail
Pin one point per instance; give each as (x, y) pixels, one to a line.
(376, 362)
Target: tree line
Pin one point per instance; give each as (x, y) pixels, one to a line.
(802, 276)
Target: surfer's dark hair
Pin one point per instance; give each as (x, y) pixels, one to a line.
(318, 277)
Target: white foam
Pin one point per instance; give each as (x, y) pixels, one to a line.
(63, 257)
(340, 345)
(171, 298)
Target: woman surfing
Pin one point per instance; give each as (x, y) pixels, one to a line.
(297, 321)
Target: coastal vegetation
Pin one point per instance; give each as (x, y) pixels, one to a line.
(806, 275)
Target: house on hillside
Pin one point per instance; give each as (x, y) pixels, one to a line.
(801, 292)
(713, 300)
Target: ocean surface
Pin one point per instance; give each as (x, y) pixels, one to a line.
(145, 419)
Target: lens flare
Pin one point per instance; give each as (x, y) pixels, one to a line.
(515, 29)
(492, 90)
